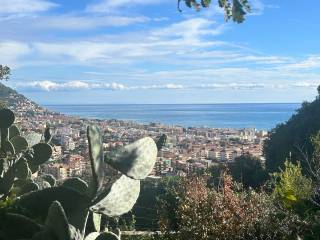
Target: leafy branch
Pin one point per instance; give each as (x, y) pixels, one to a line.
(234, 10)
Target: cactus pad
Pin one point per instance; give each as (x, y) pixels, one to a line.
(121, 198)
(76, 184)
(42, 153)
(6, 118)
(22, 169)
(96, 158)
(108, 236)
(57, 222)
(50, 179)
(135, 160)
(74, 203)
(13, 131)
(19, 143)
(92, 236)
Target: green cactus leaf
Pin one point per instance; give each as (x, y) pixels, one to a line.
(161, 141)
(6, 118)
(8, 147)
(120, 199)
(135, 160)
(42, 153)
(57, 222)
(13, 131)
(47, 135)
(50, 179)
(33, 138)
(92, 236)
(28, 187)
(107, 236)
(4, 134)
(19, 143)
(22, 169)
(74, 204)
(44, 235)
(93, 222)
(15, 226)
(97, 160)
(7, 181)
(76, 184)
(1, 166)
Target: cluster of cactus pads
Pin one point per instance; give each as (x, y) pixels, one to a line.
(72, 209)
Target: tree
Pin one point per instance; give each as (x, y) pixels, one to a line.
(233, 9)
(248, 170)
(293, 189)
(292, 139)
(225, 213)
(4, 72)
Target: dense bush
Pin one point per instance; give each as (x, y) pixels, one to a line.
(292, 138)
(231, 213)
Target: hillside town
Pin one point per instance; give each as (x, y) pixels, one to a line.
(187, 150)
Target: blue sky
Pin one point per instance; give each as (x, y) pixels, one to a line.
(145, 51)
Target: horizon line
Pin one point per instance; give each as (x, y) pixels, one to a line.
(90, 104)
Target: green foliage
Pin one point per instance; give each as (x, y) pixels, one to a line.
(233, 9)
(132, 160)
(225, 213)
(4, 72)
(248, 170)
(18, 161)
(292, 139)
(63, 210)
(121, 198)
(291, 187)
(96, 158)
(161, 141)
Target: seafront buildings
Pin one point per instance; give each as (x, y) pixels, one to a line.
(187, 150)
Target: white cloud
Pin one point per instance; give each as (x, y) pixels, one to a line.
(67, 22)
(193, 28)
(107, 5)
(308, 63)
(312, 85)
(48, 85)
(25, 6)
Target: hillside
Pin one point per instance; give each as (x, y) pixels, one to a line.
(15, 100)
(287, 140)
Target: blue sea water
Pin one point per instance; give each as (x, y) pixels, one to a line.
(247, 115)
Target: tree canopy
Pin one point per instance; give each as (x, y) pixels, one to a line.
(234, 10)
(4, 72)
(292, 140)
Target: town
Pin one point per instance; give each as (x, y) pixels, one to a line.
(187, 150)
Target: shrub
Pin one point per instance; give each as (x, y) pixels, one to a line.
(225, 213)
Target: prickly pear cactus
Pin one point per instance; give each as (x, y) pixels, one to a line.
(135, 160)
(121, 198)
(18, 158)
(64, 207)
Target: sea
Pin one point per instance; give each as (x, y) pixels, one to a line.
(262, 116)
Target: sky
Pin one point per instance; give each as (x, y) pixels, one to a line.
(146, 51)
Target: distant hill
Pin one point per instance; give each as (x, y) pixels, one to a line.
(287, 138)
(12, 99)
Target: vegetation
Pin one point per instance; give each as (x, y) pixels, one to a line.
(293, 138)
(233, 9)
(73, 209)
(4, 72)
(231, 213)
(249, 171)
(292, 188)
